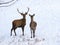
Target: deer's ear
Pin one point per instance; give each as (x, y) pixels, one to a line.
(33, 14)
(21, 13)
(29, 15)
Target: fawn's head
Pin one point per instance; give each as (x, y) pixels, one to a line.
(31, 15)
(23, 14)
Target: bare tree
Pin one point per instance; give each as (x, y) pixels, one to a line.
(6, 4)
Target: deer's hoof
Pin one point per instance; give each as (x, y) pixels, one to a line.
(22, 34)
(31, 36)
(10, 34)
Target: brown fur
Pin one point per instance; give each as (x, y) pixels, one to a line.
(33, 25)
(19, 23)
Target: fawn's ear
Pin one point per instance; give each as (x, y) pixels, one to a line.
(29, 15)
(33, 14)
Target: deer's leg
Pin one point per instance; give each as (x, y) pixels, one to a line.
(23, 31)
(14, 31)
(33, 33)
(11, 32)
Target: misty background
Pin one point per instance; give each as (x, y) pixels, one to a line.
(47, 16)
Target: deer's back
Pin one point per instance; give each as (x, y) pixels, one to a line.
(19, 23)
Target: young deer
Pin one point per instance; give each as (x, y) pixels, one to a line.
(19, 23)
(33, 25)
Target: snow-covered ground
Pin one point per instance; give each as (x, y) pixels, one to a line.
(47, 16)
(20, 40)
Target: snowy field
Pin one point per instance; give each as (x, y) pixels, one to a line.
(47, 16)
(20, 40)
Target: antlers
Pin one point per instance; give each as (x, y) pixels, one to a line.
(19, 12)
(27, 11)
(23, 13)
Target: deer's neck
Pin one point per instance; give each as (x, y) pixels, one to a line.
(31, 19)
(24, 18)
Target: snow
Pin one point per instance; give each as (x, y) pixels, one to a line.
(20, 40)
(47, 16)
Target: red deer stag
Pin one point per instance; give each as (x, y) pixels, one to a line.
(33, 25)
(19, 23)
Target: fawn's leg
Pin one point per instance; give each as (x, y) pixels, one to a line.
(33, 33)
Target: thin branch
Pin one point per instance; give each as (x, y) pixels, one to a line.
(8, 3)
